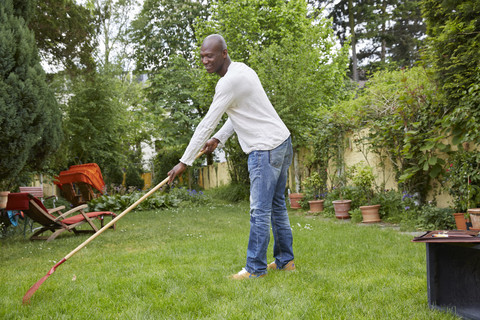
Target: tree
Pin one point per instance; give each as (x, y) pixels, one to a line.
(95, 123)
(165, 28)
(405, 37)
(452, 50)
(29, 114)
(453, 28)
(113, 38)
(292, 54)
(380, 31)
(65, 33)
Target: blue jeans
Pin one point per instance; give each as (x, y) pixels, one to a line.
(268, 178)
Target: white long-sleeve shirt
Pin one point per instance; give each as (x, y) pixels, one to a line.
(251, 115)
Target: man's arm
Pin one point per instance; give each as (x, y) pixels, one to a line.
(176, 171)
(224, 133)
(208, 148)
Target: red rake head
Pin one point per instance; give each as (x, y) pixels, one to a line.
(31, 291)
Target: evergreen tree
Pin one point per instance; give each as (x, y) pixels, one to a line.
(30, 119)
(404, 39)
(380, 31)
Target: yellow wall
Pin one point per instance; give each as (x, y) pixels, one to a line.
(147, 178)
(49, 188)
(217, 174)
(214, 175)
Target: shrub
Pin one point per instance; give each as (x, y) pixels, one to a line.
(432, 218)
(395, 206)
(233, 192)
(356, 215)
(133, 177)
(158, 200)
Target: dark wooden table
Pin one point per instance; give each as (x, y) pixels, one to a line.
(453, 271)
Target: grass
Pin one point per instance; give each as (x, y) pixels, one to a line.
(175, 263)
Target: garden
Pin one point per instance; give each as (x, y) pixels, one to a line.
(119, 86)
(175, 263)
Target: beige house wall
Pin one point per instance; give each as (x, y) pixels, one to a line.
(217, 174)
(214, 175)
(49, 188)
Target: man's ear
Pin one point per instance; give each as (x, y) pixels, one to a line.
(225, 53)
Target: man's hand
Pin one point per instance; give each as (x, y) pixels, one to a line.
(176, 171)
(210, 145)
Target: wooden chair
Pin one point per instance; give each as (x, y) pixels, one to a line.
(79, 181)
(37, 192)
(69, 193)
(57, 222)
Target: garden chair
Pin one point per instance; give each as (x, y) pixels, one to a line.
(69, 193)
(57, 222)
(79, 181)
(37, 192)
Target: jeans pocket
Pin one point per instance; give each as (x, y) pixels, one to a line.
(276, 157)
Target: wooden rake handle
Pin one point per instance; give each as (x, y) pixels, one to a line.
(120, 216)
(31, 291)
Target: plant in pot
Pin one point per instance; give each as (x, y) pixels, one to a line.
(296, 199)
(362, 177)
(342, 206)
(462, 182)
(313, 187)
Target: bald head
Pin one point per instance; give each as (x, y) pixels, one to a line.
(214, 54)
(215, 40)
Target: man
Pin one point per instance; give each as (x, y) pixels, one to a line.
(266, 140)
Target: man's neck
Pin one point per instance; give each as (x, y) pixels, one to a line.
(224, 69)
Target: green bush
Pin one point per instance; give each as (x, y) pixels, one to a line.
(234, 192)
(133, 178)
(158, 200)
(395, 206)
(356, 215)
(432, 218)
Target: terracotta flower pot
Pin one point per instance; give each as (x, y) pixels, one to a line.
(341, 208)
(460, 221)
(370, 214)
(475, 217)
(3, 199)
(316, 206)
(294, 200)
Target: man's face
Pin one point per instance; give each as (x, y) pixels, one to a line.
(212, 56)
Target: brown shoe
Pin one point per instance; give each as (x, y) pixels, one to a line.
(244, 274)
(290, 266)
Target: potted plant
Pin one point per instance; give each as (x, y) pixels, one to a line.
(462, 181)
(363, 178)
(313, 187)
(342, 206)
(295, 200)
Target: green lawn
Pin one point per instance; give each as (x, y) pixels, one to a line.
(174, 264)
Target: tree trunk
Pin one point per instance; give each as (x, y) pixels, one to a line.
(383, 52)
(296, 171)
(351, 20)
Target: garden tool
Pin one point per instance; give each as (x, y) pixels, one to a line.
(31, 291)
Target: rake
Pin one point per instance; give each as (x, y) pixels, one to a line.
(31, 291)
